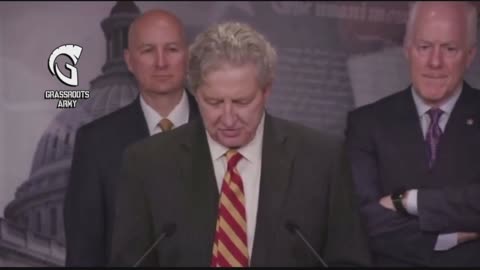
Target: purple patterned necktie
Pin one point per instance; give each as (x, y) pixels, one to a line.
(433, 135)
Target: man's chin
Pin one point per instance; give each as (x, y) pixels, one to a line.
(230, 141)
(165, 90)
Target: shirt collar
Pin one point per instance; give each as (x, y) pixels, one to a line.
(178, 116)
(251, 151)
(446, 107)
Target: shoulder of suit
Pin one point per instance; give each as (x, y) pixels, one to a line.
(165, 140)
(475, 92)
(108, 122)
(383, 105)
(305, 135)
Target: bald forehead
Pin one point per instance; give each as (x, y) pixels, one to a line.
(152, 17)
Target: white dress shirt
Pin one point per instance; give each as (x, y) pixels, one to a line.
(249, 168)
(448, 240)
(178, 116)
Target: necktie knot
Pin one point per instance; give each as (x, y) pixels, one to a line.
(233, 157)
(165, 124)
(434, 114)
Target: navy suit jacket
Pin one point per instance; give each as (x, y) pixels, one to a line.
(387, 152)
(89, 200)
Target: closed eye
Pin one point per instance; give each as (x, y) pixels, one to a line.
(214, 102)
(146, 49)
(242, 101)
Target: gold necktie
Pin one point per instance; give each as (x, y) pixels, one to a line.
(165, 124)
(230, 244)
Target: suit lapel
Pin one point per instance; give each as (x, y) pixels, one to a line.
(136, 126)
(454, 142)
(274, 181)
(201, 197)
(405, 133)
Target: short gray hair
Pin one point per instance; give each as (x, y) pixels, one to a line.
(231, 43)
(470, 10)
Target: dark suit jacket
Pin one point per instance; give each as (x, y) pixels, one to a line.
(388, 151)
(169, 178)
(89, 199)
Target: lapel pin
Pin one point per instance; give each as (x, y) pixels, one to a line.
(469, 121)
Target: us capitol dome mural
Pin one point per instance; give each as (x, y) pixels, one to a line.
(32, 233)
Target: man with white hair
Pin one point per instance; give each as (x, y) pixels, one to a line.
(240, 187)
(416, 153)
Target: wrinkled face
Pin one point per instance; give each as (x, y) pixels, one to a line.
(232, 103)
(157, 55)
(438, 54)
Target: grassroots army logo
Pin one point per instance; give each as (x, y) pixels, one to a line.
(73, 53)
(66, 98)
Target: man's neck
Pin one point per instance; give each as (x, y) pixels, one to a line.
(163, 104)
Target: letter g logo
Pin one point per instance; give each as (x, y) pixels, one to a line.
(73, 52)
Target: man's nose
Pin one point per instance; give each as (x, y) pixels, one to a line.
(228, 117)
(160, 59)
(435, 58)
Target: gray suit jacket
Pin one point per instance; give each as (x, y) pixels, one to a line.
(169, 178)
(388, 151)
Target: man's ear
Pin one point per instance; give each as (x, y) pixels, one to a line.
(126, 57)
(267, 90)
(406, 51)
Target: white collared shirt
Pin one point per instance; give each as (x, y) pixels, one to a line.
(447, 240)
(178, 116)
(249, 168)
(422, 109)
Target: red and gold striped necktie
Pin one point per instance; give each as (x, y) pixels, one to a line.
(230, 245)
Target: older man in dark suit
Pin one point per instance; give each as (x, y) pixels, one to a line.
(240, 186)
(157, 56)
(416, 153)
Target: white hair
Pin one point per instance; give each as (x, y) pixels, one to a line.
(230, 43)
(471, 15)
